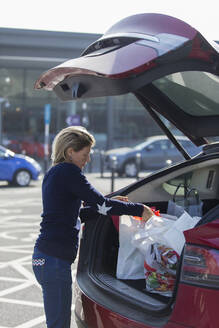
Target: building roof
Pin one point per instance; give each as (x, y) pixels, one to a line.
(21, 47)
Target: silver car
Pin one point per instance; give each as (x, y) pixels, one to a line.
(155, 153)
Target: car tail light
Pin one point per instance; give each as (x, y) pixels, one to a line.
(200, 266)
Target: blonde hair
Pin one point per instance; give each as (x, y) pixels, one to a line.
(76, 137)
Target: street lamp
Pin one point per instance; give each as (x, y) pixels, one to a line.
(7, 104)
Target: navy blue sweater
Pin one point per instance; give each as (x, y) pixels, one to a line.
(64, 187)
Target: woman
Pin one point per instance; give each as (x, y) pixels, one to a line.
(64, 187)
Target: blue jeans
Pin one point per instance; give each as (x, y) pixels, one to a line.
(54, 276)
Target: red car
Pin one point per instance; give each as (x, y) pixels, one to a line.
(173, 71)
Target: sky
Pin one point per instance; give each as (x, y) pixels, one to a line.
(96, 16)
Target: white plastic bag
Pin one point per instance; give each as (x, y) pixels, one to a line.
(151, 232)
(174, 237)
(130, 263)
(161, 240)
(135, 238)
(164, 231)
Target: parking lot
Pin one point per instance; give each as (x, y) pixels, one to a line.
(21, 303)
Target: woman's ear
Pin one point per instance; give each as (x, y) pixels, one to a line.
(69, 154)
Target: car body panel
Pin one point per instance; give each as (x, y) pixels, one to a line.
(204, 235)
(111, 64)
(6, 169)
(203, 303)
(153, 24)
(188, 298)
(153, 31)
(100, 316)
(154, 46)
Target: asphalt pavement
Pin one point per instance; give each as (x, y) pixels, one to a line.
(21, 303)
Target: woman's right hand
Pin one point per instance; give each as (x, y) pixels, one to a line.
(147, 213)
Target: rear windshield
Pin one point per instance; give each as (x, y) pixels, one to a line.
(196, 93)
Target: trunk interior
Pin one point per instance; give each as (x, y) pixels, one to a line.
(199, 173)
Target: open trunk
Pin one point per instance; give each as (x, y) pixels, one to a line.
(201, 173)
(173, 71)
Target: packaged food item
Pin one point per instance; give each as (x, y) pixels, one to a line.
(158, 283)
(160, 269)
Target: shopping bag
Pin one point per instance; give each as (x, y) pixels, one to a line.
(193, 203)
(151, 232)
(174, 209)
(164, 231)
(161, 240)
(188, 201)
(174, 236)
(130, 263)
(160, 269)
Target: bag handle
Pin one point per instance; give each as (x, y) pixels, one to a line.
(196, 194)
(177, 188)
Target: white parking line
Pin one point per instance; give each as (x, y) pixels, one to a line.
(11, 234)
(7, 211)
(12, 279)
(32, 323)
(21, 302)
(24, 272)
(15, 288)
(14, 262)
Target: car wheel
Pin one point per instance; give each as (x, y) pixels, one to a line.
(22, 178)
(130, 169)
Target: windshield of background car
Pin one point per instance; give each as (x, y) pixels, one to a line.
(4, 151)
(196, 93)
(141, 145)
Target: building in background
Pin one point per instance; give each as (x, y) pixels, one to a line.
(24, 55)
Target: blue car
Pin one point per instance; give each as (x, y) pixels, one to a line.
(17, 169)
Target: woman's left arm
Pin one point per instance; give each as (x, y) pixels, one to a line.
(98, 203)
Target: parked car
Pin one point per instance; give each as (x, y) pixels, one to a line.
(17, 169)
(173, 71)
(156, 152)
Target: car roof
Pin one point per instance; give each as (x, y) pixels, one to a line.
(166, 63)
(163, 137)
(151, 139)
